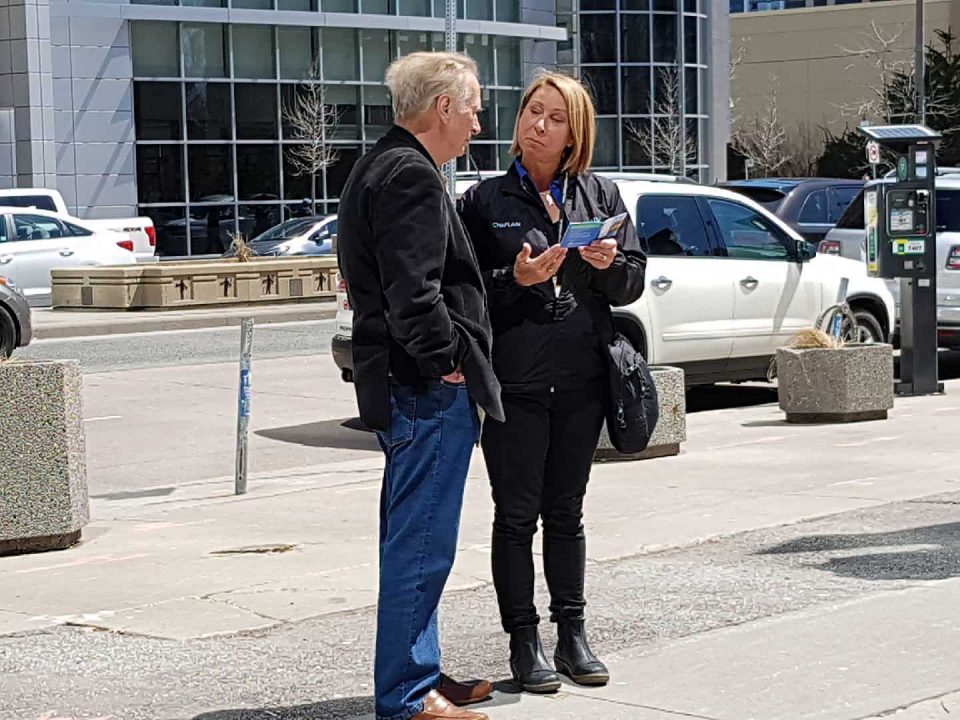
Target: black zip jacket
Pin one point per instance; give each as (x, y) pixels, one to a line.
(419, 306)
(542, 339)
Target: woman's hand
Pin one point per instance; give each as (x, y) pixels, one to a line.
(600, 254)
(455, 378)
(529, 271)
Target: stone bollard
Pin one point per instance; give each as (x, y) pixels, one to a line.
(835, 385)
(671, 428)
(43, 472)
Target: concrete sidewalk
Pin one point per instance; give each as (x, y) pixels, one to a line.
(49, 324)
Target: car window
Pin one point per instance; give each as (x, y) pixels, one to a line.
(38, 227)
(852, 218)
(771, 198)
(840, 199)
(948, 210)
(4, 235)
(747, 234)
(814, 208)
(671, 225)
(40, 202)
(321, 235)
(76, 230)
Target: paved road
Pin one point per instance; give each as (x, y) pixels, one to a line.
(189, 347)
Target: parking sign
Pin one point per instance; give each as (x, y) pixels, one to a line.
(873, 152)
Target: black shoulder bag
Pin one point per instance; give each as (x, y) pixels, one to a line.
(633, 408)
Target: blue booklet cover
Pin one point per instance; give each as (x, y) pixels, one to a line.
(580, 234)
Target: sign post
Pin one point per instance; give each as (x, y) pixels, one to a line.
(243, 405)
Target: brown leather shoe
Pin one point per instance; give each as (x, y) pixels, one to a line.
(464, 693)
(437, 707)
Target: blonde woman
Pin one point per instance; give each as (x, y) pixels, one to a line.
(550, 311)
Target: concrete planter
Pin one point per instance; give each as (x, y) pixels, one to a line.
(823, 385)
(43, 472)
(671, 428)
(197, 283)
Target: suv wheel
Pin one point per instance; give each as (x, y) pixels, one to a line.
(8, 334)
(868, 328)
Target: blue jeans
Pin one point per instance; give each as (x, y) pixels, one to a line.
(428, 451)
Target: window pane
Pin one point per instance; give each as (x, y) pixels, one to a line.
(256, 111)
(509, 62)
(338, 172)
(338, 5)
(157, 111)
(254, 4)
(376, 54)
(210, 171)
(691, 91)
(212, 227)
(171, 226)
(203, 50)
(160, 173)
(508, 103)
(690, 41)
(482, 157)
(297, 186)
(747, 234)
(156, 51)
(420, 8)
(208, 111)
(253, 54)
(598, 38)
(301, 5)
(478, 10)
(602, 84)
(635, 90)
(814, 208)
(377, 111)
(377, 7)
(637, 141)
(605, 150)
(671, 226)
(339, 46)
(408, 42)
(508, 11)
(204, 3)
(665, 38)
(296, 52)
(597, 4)
(635, 38)
(258, 172)
(343, 100)
(480, 49)
(257, 219)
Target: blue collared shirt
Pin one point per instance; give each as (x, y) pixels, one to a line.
(556, 185)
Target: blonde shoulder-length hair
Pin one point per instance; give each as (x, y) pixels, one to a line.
(581, 115)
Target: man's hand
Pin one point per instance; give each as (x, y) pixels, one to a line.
(529, 271)
(455, 378)
(600, 254)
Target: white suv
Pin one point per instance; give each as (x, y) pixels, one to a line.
(727, 284)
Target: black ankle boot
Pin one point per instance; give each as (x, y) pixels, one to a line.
(529, 664)
(574, 658)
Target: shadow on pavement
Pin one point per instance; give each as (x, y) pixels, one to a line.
(723, 397)
(340, 709)
(341, 434)
(933, 554)
(505, 692)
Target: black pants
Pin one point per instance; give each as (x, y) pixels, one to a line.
(539, 463)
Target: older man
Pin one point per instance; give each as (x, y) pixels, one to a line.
(421, 352)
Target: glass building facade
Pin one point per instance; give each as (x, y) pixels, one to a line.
(176, 109)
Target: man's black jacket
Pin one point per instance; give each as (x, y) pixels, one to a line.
(542, 338)
(419, 306)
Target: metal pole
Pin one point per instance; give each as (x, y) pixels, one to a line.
(243, 405)
(681, 91)
(450, 44)
(920, 67)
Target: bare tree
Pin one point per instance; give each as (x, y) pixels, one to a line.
(663, 138)
(762, 138)
(312, 122)
(889, 58)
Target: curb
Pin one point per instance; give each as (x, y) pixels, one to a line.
(125, 326)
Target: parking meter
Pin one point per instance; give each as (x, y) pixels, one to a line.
(901, 224)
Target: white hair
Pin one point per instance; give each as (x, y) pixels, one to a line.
(418, 79)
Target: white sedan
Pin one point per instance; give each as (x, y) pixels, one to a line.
(34, 242)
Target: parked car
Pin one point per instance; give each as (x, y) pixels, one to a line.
(34, 242)
(16, 327)
(298, 236)
(848, 239)
(811, 206)
(138, 234)
(728, 283)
